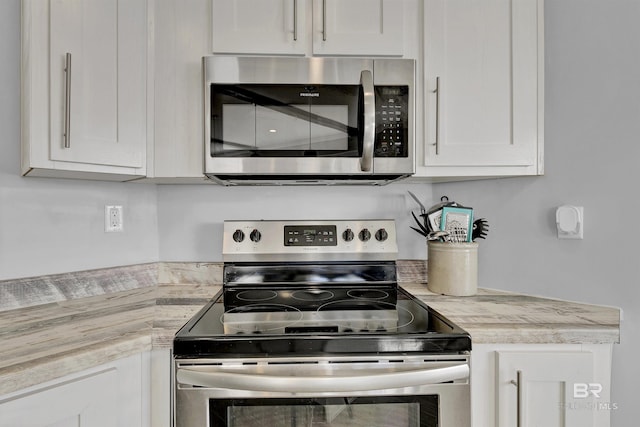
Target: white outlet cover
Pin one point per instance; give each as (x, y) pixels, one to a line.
(570, 222)
(113, 219)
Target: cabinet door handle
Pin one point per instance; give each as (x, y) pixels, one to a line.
(295, 20)
(518, 383)
(437, 92)
(67, 102)
(324, 20)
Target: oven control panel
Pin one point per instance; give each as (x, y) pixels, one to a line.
(310, 235)
(322, 240)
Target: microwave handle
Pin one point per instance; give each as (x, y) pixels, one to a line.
(369, 120)
(324, 384)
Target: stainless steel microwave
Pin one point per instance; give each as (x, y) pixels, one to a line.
(308, 120)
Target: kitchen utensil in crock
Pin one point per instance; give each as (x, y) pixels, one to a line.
(480, 229)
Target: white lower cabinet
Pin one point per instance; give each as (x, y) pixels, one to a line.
(546, 385)
(113, 394)
(161, 388)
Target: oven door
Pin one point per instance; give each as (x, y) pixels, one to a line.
(416, 391)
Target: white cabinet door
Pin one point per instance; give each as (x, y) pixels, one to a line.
(87, 402)
(259, 26)
(358, 27)
(181, 38)
(549, 375)
(111, 395)
(483, 88)
(84, 85)
(284, 27)
(551, 389)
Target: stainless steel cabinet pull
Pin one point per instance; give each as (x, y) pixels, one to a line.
(295, 20)
(324, 20)
(518, 383)
(369, 122)
(67, 102)
(437, 92)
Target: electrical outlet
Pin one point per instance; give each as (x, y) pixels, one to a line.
(113, 219)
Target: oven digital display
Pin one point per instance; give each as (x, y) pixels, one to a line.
(310, 235)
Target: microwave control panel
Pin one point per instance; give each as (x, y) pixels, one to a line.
(392, 105)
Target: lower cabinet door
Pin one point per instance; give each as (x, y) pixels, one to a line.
(90, 401)
(550, 389)
(115, 394)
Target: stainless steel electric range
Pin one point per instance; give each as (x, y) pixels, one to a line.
(312, 329)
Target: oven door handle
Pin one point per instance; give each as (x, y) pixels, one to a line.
(321, 384)
(369, 120)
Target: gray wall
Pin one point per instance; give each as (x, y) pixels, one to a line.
(592, 152)
(190, 217)
(51, 226)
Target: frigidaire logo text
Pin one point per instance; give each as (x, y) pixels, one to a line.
(310, 94)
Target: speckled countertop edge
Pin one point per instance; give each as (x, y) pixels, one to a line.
(68, 323)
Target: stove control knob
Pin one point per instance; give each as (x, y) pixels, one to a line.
(381, 235)
(238, 236)
(347, 235)
(364, 235)
(255, 236)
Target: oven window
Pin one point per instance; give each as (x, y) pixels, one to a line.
(254, 120)
(405, 411)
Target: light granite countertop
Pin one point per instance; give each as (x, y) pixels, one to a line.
(49, 329)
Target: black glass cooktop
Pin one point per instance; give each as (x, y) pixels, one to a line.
(343, 317)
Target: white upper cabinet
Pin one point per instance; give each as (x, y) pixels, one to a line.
(483, 89)
(313, 27)
(358, 27)
(259, 26)
(181, 38)
(84, 88)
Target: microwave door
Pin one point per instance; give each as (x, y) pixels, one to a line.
(290, 125)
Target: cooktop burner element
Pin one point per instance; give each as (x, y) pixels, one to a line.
(367, 294)
(256, 295)
(333, 291)
(312, 295)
